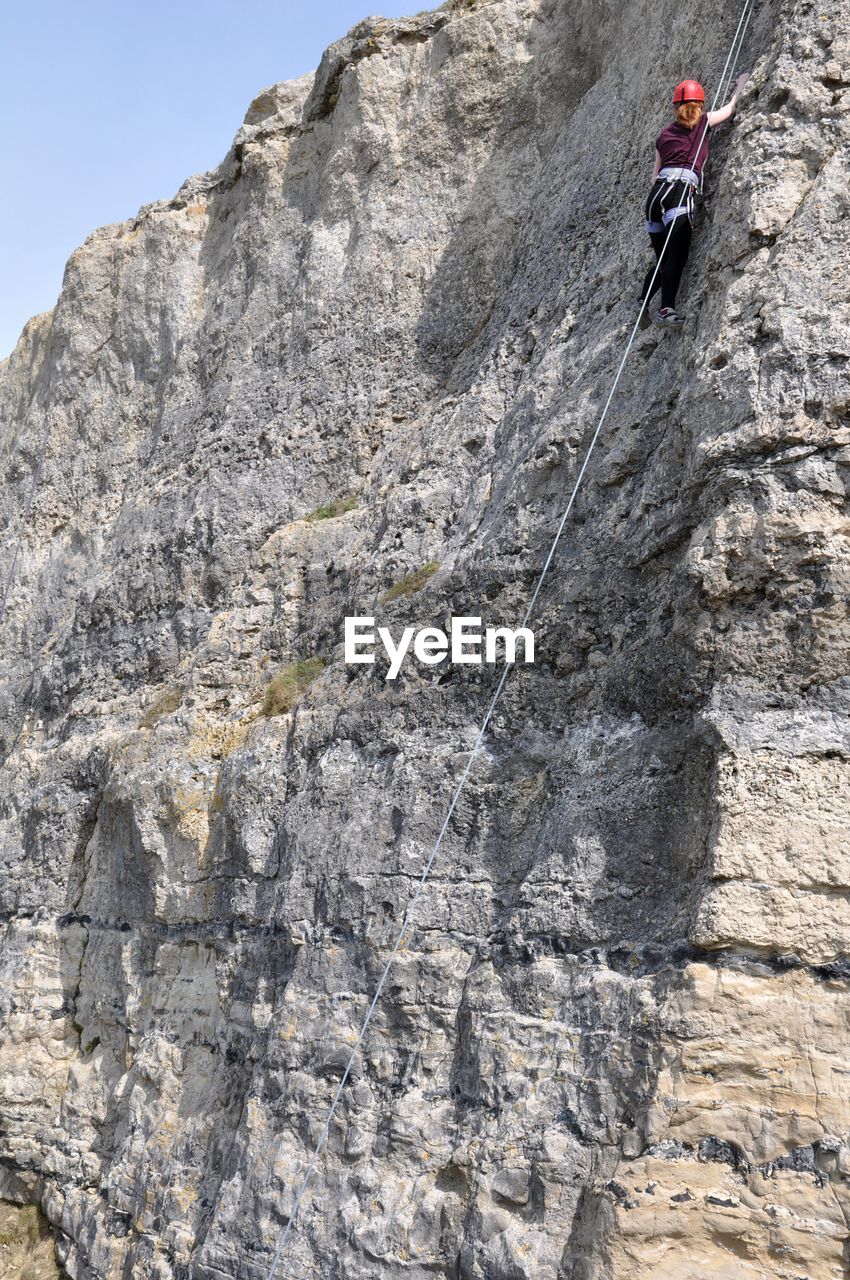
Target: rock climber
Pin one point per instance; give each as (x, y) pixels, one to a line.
(681, 151)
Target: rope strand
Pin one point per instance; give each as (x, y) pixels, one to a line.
(743, 22)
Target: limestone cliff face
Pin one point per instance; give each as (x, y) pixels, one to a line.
(617, 1043)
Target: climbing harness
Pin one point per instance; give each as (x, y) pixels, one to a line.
(665, 203)
(679, 175)
(734, 51)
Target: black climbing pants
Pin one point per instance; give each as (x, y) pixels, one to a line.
(675, 257)
(664, 199)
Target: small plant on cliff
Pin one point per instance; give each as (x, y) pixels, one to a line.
(162, 705)
(338, 507)
(289, 685)
(411, 583)
(21, 1226)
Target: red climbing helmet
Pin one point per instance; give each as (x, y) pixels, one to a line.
(688, 91)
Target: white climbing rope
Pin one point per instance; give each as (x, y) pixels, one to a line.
(735, 53)
(731, 60)
(727, 72)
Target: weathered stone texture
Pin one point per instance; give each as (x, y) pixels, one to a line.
(616, 1042)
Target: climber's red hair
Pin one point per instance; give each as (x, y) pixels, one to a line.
(688, 113)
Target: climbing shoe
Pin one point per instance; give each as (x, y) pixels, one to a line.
(644, 317)
(667, 316)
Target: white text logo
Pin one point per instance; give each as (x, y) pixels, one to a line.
(466, 643)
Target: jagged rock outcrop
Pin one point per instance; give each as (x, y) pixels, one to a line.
(616, 1043)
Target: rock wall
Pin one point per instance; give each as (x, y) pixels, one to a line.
(616, 1042)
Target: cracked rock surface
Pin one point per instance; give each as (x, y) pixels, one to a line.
(616, 1043)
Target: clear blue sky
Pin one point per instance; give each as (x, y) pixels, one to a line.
(107, 106)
